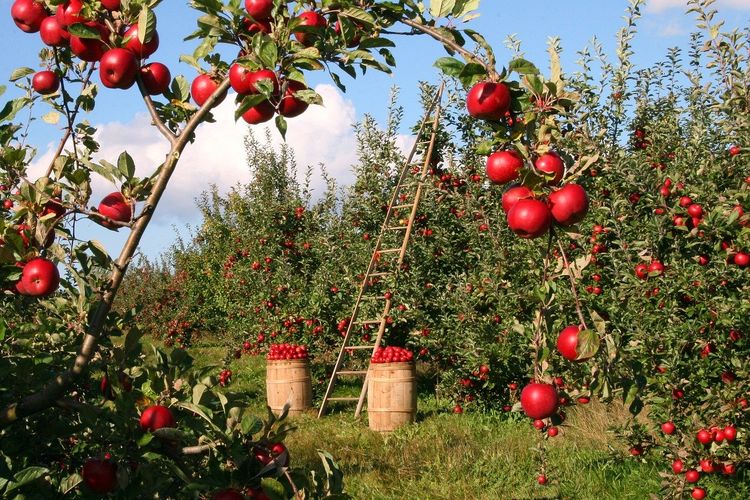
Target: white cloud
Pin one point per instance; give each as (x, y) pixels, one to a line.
(323, 134)
(662, 5)
(671, 28)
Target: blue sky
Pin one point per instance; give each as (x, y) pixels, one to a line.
(664, 24)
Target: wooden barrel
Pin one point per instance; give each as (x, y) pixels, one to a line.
(289, 380)
(391, 395)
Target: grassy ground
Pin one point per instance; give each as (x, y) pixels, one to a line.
(468, 456)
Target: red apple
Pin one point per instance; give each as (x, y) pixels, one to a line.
(734, 150)
(156, 417)
(90, 49)
(539, 400)
(704, 437)
(513, 194)
(52, 33)
(698, 493)
(551, 163)
(567, 343)
(692, 476)
(569, 204)
(202, 88)
(259, 113)
(504, 166)
(290, 106)
(243, 80)
(313, 22)
(39, 277)
(116, 207)
(730, 433)
(678, 466)
(45, 82)
(118, 69)
(685, 201)
(140, 50)
(641, 271)
(529, 218)
(695, 210)
(668, 428)
(256, 27)
(656, 267)
(488, 100)
(28, 15)
(228, 494)
(111, 5)
(741, 259)
(69, 13)
(99, 476)
(156, 78)
(259, 9)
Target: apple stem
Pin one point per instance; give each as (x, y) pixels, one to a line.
(573, 287)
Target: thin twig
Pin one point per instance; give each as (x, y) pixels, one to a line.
(573, 287)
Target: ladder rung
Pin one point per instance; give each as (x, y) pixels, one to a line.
(360, 347)
(343, 399)
(375, 275)
(373, 297)
(396, 228)
(352, 372)
(408, 205)
(390, 250)
(368, 322)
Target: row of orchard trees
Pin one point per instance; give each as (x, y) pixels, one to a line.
(656, 273)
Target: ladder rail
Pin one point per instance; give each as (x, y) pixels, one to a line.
(431, 118)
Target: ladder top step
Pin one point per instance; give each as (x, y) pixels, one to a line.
(343, 399)
(352, 372)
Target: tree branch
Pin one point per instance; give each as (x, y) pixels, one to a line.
(55, 388)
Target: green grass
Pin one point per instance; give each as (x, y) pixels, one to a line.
(469, 456)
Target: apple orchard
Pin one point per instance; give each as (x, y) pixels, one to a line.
(582, 236)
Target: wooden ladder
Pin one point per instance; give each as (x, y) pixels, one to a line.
(406, 181)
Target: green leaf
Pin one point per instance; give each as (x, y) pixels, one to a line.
(523, 67)
(70, 483)
(281, 126)
(26, 476)
(441, 8)
(125, 165)
(247, 103)
(358, 14)
(588, 344)
(146, 25)
(19, 73)
(450, 66)
(198, 391)
(273, 488)
(11, 108)
(82, 31)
